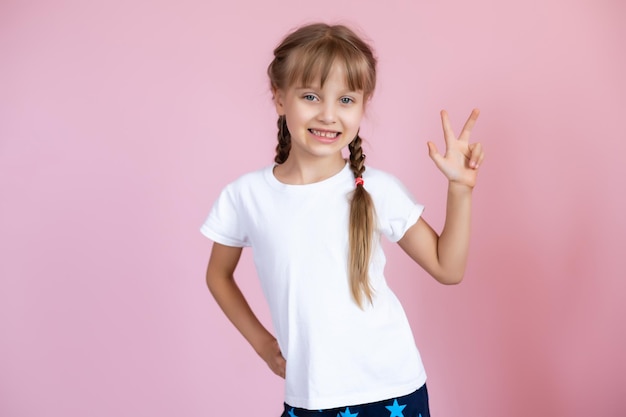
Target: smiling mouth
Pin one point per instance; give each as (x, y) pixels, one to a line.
(324, 134)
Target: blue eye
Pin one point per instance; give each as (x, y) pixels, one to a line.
(346, 100)
(309, 97)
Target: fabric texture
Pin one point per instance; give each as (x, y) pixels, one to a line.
(412, 405)
(336, 352)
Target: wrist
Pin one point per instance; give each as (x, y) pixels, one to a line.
(261, 343)
(460, 188)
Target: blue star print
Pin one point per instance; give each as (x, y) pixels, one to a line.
(292, 414)
(396, 409)
(347, 413)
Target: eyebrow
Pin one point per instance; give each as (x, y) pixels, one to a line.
(318, 87)
(306, 87)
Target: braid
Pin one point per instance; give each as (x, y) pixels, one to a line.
(284, 141)
(361, 228)
(357, 157)
(303, 57)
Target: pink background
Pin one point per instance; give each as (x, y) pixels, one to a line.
(120, 121)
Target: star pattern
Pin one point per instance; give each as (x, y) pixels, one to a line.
(347, 413)
(396, 409)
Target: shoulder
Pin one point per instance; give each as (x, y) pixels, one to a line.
(375, 173)
(396, 208)
(245, 187)
(386, 188)
(250, 179)
(379, 180)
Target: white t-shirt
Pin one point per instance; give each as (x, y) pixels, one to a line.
(337, 353)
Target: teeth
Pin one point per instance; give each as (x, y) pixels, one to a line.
(330, 135)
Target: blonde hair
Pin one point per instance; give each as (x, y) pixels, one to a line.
(307, 55)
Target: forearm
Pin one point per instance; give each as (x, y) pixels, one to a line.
(234, 305)
(453, 243)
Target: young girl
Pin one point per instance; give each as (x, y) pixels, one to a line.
(314, 220)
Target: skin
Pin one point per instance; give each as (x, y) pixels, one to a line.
(313, 114)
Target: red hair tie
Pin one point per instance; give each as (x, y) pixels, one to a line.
(358, 181)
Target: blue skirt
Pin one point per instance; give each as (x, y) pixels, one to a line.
(412, 405)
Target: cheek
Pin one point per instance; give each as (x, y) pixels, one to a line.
(355, 120)
(298, 112)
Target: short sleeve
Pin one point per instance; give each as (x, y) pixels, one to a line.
(396, 209)
(224, 223)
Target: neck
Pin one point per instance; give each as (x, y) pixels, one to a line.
(298, 172)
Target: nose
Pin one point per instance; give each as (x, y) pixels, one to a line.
(327, 113)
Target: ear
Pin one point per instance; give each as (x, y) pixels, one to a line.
(279, 97)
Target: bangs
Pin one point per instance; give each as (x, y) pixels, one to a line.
(313, 63)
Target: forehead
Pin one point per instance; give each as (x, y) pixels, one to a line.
(336, 77)
(318, 69)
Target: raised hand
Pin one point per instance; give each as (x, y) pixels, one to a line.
(462, 159)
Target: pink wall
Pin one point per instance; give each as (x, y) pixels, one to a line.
(120, 121)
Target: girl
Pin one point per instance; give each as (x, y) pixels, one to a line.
(314, 220)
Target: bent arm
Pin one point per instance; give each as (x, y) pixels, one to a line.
(221, 282)
(445, 256)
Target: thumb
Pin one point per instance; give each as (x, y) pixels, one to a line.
(434, 154)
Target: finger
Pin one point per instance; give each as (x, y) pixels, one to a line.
(476, 155)
(280, 362)
(278, 369)
(434, 154)
(448, 133)
(480, 159)
(469, 124)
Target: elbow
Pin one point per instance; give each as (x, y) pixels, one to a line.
(216, 279)
(450, 278)
(454, 281)
(210, 280)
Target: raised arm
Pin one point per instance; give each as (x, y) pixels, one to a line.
(445, 256)
(221, 282)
